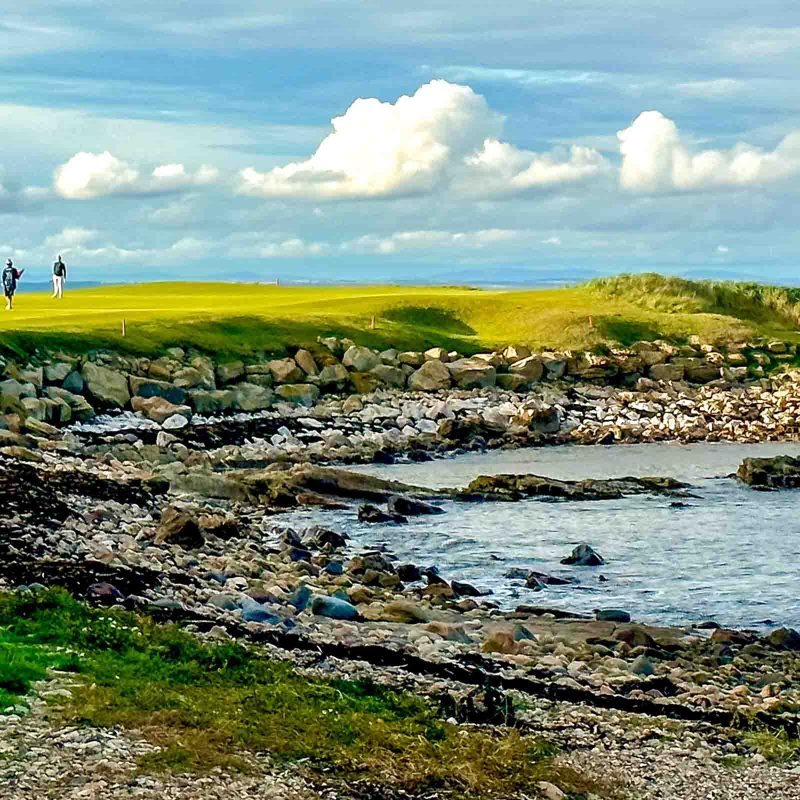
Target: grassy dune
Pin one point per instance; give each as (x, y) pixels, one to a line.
(244, 319)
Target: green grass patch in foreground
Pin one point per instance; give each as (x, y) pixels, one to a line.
(776, 746)
(210, 706)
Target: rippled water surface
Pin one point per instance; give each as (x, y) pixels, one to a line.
(732, 555)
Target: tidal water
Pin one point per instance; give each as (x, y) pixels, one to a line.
(731, 555)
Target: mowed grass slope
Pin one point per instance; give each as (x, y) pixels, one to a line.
(248, 319)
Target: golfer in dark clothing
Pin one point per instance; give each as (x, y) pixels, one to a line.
(59, 278)
(10, 277)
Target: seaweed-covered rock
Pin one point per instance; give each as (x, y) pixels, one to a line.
(781, 472)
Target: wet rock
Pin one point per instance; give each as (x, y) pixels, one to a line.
(465, 589)
(409, 573)
(545, 578)
(781, 472)
(584, 555)
(374, 515)
(611, 615)
(515, 487)
(408, 507)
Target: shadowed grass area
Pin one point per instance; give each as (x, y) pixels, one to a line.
(209, 706)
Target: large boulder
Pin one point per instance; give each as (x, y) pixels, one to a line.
(704, 372)
(149, 387)
(472, 373)
(56, 373)
(364, 382)
(430, 377)
(333, 375)
(584, 555)
(391, 376)
(306, 362)
(285, 370)
(74, 382)
(360, 359)
(158, 409)
(667, 372)
(230, 372)
(80, 406)
(250, 397)
(195, 378)
(436, 354)
(106, 386)
(530, 368)
(301, 394)
(780, 472)
(212, 402)
(16, 389)
(412, 358)
(514, 353)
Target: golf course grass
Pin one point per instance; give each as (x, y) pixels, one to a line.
(247, 319)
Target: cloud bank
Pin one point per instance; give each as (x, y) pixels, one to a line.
(655, 158)
(443, 136)
(89, 175)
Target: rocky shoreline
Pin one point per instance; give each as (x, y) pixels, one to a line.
(175, 513)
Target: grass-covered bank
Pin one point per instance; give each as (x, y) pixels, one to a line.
(215, 705)
(246, 319)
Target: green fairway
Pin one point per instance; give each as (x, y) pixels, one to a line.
(246, 319)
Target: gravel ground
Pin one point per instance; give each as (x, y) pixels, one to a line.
(672, 774)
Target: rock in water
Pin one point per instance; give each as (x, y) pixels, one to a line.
(407, 507)
(611, 615)
(781, 472)
(334, 608)
(374, 515)
(584, 555)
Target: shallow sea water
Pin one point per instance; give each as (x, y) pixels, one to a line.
(731, 555)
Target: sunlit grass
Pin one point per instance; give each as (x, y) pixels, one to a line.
(249, 319)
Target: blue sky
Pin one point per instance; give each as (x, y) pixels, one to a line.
(524, 141)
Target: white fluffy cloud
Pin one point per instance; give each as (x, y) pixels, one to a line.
(655, 158)
(89, 175)
(444, 135)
